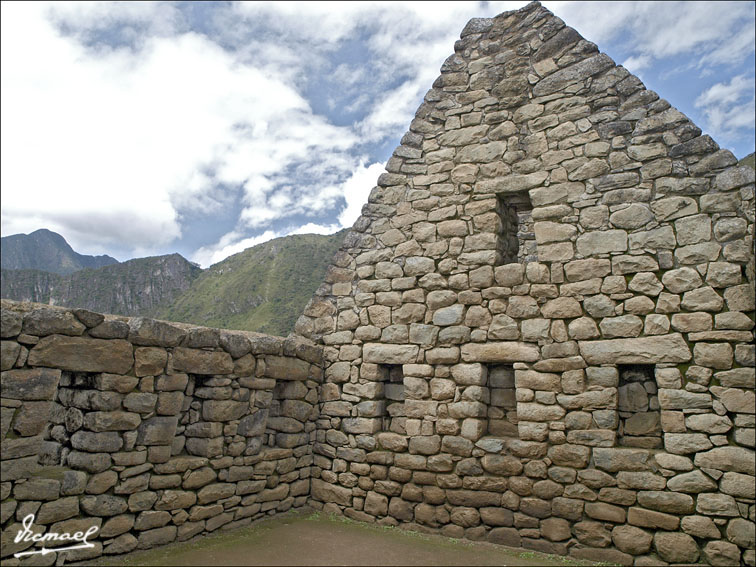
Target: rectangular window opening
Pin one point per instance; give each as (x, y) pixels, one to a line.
(79, 380)
(502, 412)
(392, 376)
(515, 240)
(638, 405)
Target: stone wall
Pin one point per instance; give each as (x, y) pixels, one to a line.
(154, 432)
(539, 333)
(593, 398)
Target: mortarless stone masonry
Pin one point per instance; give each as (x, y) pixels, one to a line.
(152, 431)
(538, 334)
(558, 268)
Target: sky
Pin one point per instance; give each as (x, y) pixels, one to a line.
(144, 128)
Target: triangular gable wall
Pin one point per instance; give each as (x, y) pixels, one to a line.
(546, 216)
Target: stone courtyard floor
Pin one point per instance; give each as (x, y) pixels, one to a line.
(311, 538)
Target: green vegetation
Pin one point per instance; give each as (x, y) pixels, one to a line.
(136, 287)
(749, 160)
(263, 289)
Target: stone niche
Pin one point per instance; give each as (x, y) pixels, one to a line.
(515, 238)
(392, 376)
(638, 407)
(502, 412)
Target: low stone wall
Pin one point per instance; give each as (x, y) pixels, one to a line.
(154, 432)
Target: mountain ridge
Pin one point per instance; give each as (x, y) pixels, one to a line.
(134, 287)
(47, 251)
(263, 288)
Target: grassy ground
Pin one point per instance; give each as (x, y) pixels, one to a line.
(311, 538)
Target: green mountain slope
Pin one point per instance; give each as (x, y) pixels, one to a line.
(263, 289)
(47, 251)
(136, 287)
(749, 160)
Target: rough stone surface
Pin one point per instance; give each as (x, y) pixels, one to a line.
(83, 354)
(667, 348)
(538, 333)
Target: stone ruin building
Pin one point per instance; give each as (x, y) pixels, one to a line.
(538, 334)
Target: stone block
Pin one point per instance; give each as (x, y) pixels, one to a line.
(326, 492)
(89, 462)
(157, 431)
(149, 361)
(157, 536)
(103, 505)
(9, 351)
(711, 504)
(80, 354)
(601, 242)
(108, 442)
(196, 361)
(175, 500)
(10, 323)
(46, 321)
(651, 350)
(223, 410)
(286, 368)
(32, 384)
(651, 519)
(676, 547)
(389, 354)
(500, 352)
(149, 332)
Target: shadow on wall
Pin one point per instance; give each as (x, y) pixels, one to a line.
(153, 432)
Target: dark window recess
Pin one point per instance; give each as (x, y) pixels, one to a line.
(638, 404)
(392, 377)
(78, 380)
(74, 391)
(502, 412)
(515, 240)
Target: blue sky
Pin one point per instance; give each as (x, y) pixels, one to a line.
(145, 128)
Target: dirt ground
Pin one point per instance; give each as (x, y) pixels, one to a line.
(316, 539)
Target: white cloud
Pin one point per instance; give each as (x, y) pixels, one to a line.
(356, 190)
(119, 121)
(725, 93)
(142, 134)
(85, 19)
(717, 32)
(228, 245)
(232, 243)
(635, 64)
(729, 108)
(314, 228)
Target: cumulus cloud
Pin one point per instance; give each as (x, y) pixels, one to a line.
(635, 64)
(121, 120)
(356, 190)
(718, 32)
(729, 107)
(135, 136)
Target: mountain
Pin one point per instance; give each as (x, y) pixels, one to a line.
(47, 251)
(136, 287)
(264, 288)
(749, 160)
